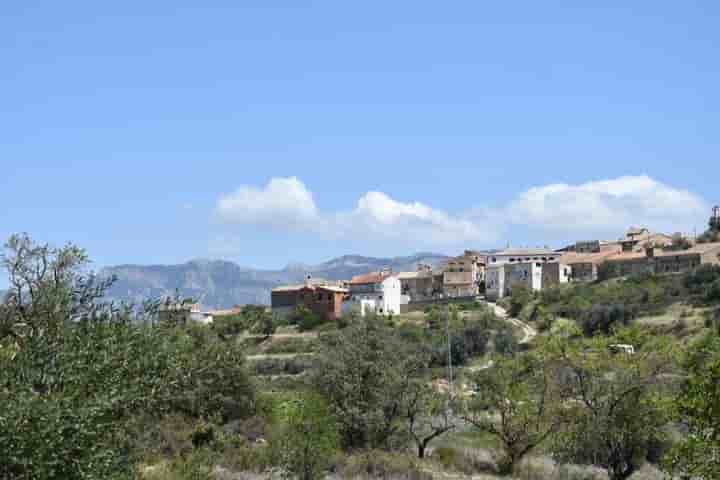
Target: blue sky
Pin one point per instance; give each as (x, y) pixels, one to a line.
(268, 132)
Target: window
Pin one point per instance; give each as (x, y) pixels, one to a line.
(493, 259)
(380, 297)
(512, 260)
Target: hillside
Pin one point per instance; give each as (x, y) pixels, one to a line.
(222, 284)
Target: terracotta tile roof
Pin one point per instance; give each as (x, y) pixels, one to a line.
(698, 249)
(374, 277)
(624, 256)
(574, 258)
(297, 288)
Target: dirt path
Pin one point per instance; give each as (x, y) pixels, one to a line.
(528, 332)
(280, 335)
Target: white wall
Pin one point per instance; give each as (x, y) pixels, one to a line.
(392, 294)
(495, 282)
(368, 303)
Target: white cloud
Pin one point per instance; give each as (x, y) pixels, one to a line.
(604, 208)
(283, 203)
(607, 205)
(383, 216)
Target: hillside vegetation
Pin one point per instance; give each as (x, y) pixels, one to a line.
(90, 390)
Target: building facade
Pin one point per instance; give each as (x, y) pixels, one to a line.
(463, 275)
(522, 255)
(324, 300)
(655, 260)
(554, 274)
(501, 279)
(378, 293)
(585, 266)
(418, 285)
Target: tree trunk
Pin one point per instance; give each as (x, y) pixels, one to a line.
(621, 473)
(421, 450)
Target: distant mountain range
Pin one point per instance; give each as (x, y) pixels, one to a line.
(222, 284)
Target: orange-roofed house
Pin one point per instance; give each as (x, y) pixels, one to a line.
(374, 293)
(324, 300)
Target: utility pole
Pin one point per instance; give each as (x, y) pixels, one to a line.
(449, 349)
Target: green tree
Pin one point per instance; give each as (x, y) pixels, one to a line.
(49, 288)
(307, 437)
(611, 398)
(514, 403)
(505, 342)
(365, 372)
(75, 372)
(427, 414)
(698, 407)
(519, 297)
(607, 270)
(264, 323)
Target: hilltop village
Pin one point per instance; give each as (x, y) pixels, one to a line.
(495, 274)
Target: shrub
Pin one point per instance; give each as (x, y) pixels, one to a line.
(605, 318)
(306, 320)
(306, 438)
(381, 464)
(505, 342)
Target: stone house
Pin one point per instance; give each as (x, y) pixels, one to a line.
(585, 265)
(324, 300)
(655, 260)
(418, 285)
(685, 260)
(462, 275)
(555, 273)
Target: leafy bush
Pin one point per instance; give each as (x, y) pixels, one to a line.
(505, 342)
(72, 390)
(605, 318)
(305, 319)
(306, 438)
(381, 464)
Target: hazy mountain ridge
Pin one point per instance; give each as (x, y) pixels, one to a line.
(222, 284)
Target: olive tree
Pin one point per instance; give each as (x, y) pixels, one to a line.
(366, 373)
(610, 395)
(427, 414)
(75, 371)
(307, 437)
(48, 288)
(515, 403)
(698, 408)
